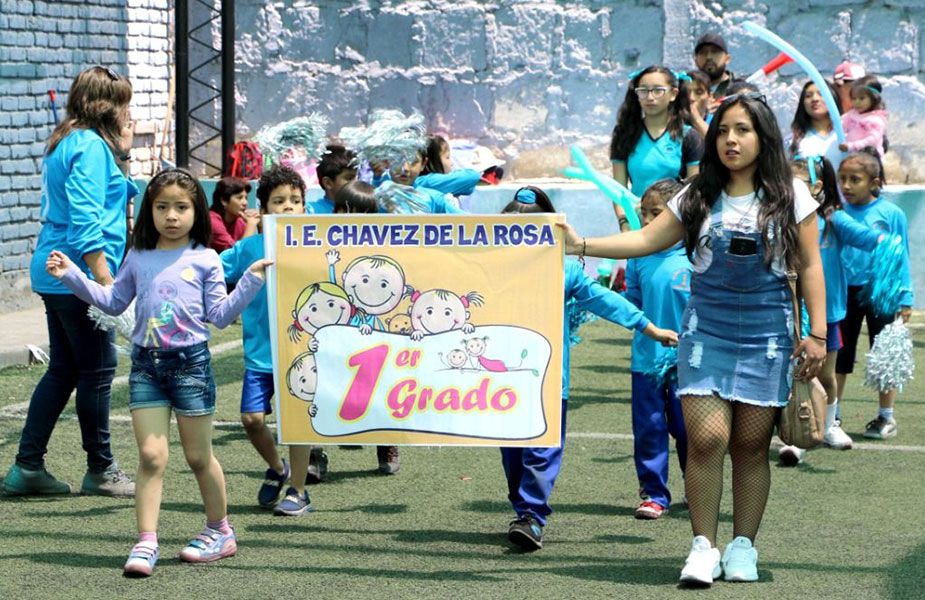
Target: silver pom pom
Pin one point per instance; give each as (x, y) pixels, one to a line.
(401, 199)
(390, 136)
(123, 324)
(889, 363)
(305, 133)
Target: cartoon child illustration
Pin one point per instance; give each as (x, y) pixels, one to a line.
(163, 328)
(319, 305)
(476, 347)
(455, 359)
(437, 311)
(302, 378)
(375, 285)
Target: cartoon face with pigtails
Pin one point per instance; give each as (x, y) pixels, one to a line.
(375, 285)
(438, 311)
(319, 305)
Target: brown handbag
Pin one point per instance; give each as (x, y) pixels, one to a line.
(802, 421)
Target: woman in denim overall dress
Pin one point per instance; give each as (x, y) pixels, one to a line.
(745, 221)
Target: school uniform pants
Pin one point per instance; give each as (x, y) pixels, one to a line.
(656, 411)
(531, 474)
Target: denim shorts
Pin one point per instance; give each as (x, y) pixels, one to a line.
(179, 378)
(257, 392)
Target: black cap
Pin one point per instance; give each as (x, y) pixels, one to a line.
(713, 39)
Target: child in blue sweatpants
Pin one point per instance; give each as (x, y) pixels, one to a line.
(531, 472)
(658, 284)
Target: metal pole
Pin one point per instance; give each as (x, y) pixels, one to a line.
(181, 42)
(228, 124)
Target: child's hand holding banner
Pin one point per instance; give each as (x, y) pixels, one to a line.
(417, 329)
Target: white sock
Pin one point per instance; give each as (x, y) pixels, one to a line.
(830, 411)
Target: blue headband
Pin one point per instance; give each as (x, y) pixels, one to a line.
(811, 161)
(525, 196)
(872, 89)
(679, 75)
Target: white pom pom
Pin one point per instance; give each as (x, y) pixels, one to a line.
(889, 363)
(391, 136)
(123, 324)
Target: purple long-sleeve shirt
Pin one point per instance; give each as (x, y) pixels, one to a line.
(177, 292)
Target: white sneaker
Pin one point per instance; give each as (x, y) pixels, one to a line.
(791, 456)
(836, 438)
(702, 564)
(740, 560)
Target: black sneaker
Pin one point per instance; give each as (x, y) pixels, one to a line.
(388, 459)
(526, 532)
(317, 466)
(880, 428)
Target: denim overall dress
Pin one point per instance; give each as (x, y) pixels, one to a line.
(736, 336)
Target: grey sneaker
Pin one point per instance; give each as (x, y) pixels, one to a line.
(880, 429)
(111, 482)
(23, 482)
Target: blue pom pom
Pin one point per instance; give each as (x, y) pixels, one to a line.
(306, 133)
(665, 369)
(575, 318)
(391, 136)
(883, 290)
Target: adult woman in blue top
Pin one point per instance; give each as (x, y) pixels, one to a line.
(83, 213)
(651, 140)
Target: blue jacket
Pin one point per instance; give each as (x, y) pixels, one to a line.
(660, 285)
(84, 199)
(593, 297)
(460, 182)
(256, 317)
(886, 217)
(843, 231)
(438, 203)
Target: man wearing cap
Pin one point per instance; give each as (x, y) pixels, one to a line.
(711, 57)
(845, 74)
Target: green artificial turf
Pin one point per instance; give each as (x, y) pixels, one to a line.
(843, 525)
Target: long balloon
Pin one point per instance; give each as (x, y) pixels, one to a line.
(610, 187)
(811, 70)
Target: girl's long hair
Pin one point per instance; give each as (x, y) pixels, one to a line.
(828, 198)
(98, 100)
(772, 180)
(801, 122)
(630, 123)
(432, 163)
(145, 235)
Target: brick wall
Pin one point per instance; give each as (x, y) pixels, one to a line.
(43, 45)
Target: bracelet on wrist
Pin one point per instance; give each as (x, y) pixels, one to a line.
(584, 247)
(818, 338)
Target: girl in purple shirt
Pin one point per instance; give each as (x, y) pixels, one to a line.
(178, 286)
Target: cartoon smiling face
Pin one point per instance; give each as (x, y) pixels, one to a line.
(436, 311)
(476, 346)
(323, 309)
(302, 377)
(375, 284)
(456, 359)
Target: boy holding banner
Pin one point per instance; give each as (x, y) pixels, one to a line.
(531, 472)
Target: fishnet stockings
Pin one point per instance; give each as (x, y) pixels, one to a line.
(714, 426)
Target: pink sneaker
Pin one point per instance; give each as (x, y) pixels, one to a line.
(209, 546)
(141, 560)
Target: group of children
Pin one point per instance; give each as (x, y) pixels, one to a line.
(170, 267)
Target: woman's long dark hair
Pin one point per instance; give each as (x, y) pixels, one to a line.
(145, 235)
(772, 180)
(630, 122)
(801, 122)
(542, 204)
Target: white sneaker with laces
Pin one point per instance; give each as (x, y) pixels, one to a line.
(837, 439)
(702, 564)
(791, 456)
(740, 560)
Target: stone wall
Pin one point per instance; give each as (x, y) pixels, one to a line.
(527, 78)
(43, 45)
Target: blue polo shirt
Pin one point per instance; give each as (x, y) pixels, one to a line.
(662, 158)
(660, 285)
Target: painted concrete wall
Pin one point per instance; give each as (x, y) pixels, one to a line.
(529, 77)
(43, 45)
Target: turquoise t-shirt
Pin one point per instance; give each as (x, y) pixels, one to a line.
(322, 206)
(662, 158)
(256, 317)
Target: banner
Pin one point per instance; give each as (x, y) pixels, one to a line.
(416, 329)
